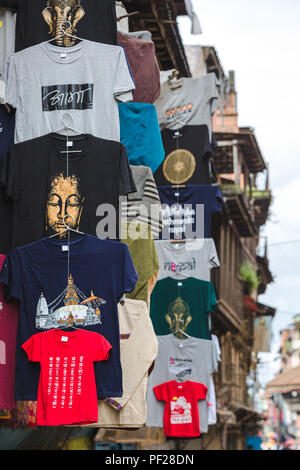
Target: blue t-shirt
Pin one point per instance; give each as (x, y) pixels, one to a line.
(140, 134)
(187, 211)
(37, 275)
(7, 129)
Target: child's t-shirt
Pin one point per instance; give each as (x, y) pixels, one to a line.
(67, 388)
(181, 417)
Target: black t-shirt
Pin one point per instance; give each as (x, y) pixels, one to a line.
(39, 20)
(188, 153)
(44, 192)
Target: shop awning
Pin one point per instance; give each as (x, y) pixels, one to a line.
(285, 381)
(246, 415)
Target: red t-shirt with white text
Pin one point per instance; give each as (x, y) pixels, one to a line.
(181, 417)
(67, 391)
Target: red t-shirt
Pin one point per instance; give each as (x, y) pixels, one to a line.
(67, 388)
(181, 417)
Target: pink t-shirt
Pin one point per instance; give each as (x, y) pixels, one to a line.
(181, 417)
(8, 333)
(67, 388)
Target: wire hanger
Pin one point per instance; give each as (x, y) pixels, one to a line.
(179, 330)
(119, 18)
(63, 26)
(67, 127)
(67, 227)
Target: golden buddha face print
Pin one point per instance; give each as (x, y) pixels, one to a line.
(64, 204)
(178, 316)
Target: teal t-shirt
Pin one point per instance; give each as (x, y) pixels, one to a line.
(182, 305)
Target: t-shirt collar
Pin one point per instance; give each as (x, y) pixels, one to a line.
(70, 54)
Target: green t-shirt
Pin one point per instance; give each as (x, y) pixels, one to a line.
(144, 257)
(182, 305)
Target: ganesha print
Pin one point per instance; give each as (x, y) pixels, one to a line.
(63, 15)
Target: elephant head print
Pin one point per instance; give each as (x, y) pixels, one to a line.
(178, 317)
(63, 15)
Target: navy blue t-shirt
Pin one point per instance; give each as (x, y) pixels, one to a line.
(7, 129)
(187, 211)
(37, 275)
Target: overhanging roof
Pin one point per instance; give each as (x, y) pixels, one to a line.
(249, 146)
(285, 381)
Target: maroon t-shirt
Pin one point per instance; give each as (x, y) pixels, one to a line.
(8, 332)
(144, 67)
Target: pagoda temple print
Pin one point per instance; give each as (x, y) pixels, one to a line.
(78, 309)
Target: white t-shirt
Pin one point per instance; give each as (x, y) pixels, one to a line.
(192, 104)
(194, 258)
(211, 393)
(44, 82)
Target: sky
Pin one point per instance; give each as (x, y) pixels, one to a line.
(260, 41)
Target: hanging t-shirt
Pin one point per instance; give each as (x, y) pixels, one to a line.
(45, 195)
(7, 129)
(181, 417)
(8, 333)
(187, 210)
(188, 153)
(39, 21)
(141, 245)
(86, 295)
(182, 305)
(44, 83)
(178, 359)
(144, 204)
(193, 103)
(141, 135)
(194, 258)
(144, 67)
(211, 395)
(67, 391)
(7, 37)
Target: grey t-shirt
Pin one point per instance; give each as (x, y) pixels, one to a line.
(191, 104)
(188, 359)
(194, 258)
(44, 82)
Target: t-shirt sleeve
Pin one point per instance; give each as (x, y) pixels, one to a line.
(11, 277)
(126, 181)
(32, 347)
(213, 259)
(211, 299)
(11, 82)
(124, 84)
(214, 93)
(200, 391)
(127, 275)
(100, 347)
(9, 175)
(217, 202)
(160, 392)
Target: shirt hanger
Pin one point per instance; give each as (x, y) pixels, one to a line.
(68, 229)
(63, 27)
(67, 127)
